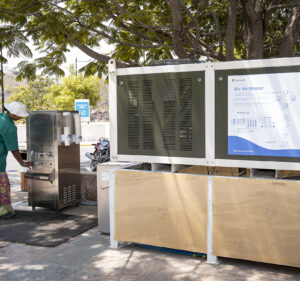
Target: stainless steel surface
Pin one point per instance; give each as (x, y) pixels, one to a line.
(103, 173)
(54, 181)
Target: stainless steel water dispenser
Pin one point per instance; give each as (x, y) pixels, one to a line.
(53, 145)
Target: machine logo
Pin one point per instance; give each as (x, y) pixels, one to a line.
(238, 80)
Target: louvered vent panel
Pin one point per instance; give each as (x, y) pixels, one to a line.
(148, 116)
(133, 115)
(69, 193)
(169, 114)
(185, 126)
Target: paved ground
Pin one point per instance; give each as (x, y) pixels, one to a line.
(88, 257)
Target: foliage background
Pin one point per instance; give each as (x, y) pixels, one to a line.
(44, 94)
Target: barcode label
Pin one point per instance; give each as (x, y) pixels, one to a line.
(252, 123)
(239, 121)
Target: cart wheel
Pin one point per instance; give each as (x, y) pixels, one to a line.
(33, 208)
(77, 204)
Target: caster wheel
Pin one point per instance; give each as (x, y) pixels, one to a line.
(33, 208)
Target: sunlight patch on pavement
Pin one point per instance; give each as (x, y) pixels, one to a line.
(8, 267)
(35, 266)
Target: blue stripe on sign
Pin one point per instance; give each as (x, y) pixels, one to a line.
(241, 146)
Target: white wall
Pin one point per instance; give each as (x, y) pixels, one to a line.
(90, 132)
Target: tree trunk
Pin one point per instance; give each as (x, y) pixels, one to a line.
(230, 31)
(177, 29)
(253, 28)
(291, 34)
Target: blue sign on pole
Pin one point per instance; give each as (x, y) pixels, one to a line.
(83, 106)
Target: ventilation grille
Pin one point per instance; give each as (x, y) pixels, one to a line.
(148, 116)
(185, 125)
(133, 115)
(161, 114)
(70, 193)
(169, 114)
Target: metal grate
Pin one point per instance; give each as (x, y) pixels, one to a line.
(148, 116)
(70, 193)
(185, 126)
(133, 115)
(169, 114)
(161, 114)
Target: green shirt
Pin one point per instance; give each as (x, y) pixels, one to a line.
(8, 138)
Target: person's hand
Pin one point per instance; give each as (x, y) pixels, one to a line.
(27, 164)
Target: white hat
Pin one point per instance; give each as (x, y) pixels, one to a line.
(17, 108)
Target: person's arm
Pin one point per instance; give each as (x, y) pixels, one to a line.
(18, 157)
(11, 143)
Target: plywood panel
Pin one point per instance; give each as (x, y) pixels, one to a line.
(257, 219)
(203, 170)
(161, 209)
(217, 171)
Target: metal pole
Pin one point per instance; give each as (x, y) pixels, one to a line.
(2, 82)
(76, 66)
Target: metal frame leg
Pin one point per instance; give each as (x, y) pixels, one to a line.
(211, 259)
(113, 243)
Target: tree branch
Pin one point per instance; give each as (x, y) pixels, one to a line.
(93, 54)
(291, 34)
(177, 28)
(216, 19)
(253, 28)
(117, 40)
(273, 7)
(230, 31)
(196, 15)
(154, 29)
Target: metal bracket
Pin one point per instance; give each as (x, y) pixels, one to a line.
(112, 66)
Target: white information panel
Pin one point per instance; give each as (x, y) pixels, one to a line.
(264, 114)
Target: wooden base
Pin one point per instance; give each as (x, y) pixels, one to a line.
(257, 219)
(161, 209)
(252, 219)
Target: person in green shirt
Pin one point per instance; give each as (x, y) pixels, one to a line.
(9, 142)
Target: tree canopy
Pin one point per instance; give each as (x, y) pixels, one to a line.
(44, 94)
(62, 95)
(34, 94)
(146, 30)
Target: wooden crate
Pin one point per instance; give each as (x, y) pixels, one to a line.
(24, 184)
(161, 209)
(200, 170)
(286, 174)
(257, 219)
(224, 171)
(216, 171)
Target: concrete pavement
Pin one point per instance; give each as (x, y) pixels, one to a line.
(88, 257)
